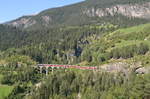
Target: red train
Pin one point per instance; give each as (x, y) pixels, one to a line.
(69, 66)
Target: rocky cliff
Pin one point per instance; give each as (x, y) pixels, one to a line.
(129, 10)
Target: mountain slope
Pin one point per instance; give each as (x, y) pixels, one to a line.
(120, 54)
(123, 44)
(126, 12)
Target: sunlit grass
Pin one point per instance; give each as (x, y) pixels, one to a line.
(5, 90)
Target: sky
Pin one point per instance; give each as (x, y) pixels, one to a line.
(12, 9)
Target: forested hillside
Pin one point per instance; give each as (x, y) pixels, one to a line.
(90, 33)
(77, 43)
(51, 45)
(98, 45)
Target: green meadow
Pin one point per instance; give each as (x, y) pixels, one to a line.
(5, 90)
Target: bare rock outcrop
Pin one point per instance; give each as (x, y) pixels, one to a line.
(46, 19)
(25, 22)
(125, 68)
(143, 70)
(115, 67)
(129, 10)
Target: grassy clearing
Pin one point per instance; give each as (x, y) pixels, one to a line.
(140, 32)
(131, 42)
(124, 43)
(138, 28)
(5, 90)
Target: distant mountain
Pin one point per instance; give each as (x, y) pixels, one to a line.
(122, 12)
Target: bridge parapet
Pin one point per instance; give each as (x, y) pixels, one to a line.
(68, 66)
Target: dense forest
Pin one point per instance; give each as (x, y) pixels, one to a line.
(84, 45)
(81, 84)
(42, 45)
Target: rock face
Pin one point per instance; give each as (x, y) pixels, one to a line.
(129, 10)
(28, 21)
(116, 67)
(25, 22)
(143, 70)
(46, 19)
(125, 68)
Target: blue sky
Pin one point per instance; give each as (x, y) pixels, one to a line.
(12, 9)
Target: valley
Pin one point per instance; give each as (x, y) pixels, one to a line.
(95, 49)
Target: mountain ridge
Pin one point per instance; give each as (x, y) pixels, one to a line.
(87, 12)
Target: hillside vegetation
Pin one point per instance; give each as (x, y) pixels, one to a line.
(95, 44)
(122, 43)
(118, 44)
(84, 45)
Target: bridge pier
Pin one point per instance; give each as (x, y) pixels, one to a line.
(52, 69)
(46, 70)
(41, 69)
